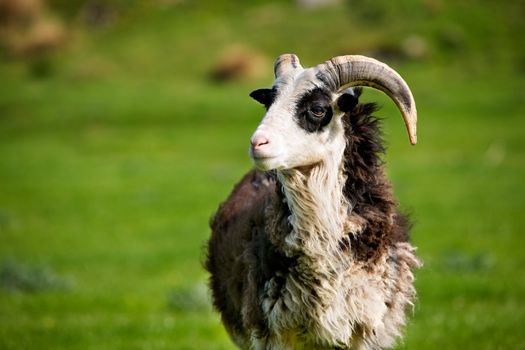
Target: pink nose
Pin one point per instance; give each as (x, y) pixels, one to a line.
(259, 141)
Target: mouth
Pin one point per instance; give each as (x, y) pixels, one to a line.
(262, 161)
(260, 156)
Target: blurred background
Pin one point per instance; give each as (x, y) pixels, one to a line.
(123, 125)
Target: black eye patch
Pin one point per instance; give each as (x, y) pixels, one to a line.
(313, 110)
(264, 96)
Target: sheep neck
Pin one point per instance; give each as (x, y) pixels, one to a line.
(318, 207)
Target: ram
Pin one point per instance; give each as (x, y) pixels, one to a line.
(310, 251)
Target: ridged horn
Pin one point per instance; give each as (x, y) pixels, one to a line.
(342, 72)
(285, 63)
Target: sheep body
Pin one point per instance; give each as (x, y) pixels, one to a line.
(314, 258)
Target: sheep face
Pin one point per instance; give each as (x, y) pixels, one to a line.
(302, 125)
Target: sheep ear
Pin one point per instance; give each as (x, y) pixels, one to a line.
(347, 102)
(263, 96)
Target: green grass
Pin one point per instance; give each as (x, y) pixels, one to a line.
(113, 161)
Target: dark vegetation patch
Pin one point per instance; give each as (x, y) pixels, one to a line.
(25, 278)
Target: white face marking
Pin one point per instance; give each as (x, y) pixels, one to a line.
(279, 142)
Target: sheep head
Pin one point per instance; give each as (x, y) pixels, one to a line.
(302, 124)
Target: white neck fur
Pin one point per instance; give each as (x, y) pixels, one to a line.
(318, 206)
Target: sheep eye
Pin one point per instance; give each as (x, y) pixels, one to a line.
(317, 111)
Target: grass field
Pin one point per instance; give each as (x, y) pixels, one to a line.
(115, 152)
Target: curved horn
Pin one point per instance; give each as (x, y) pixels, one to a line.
(353, 70)
(285, 63)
